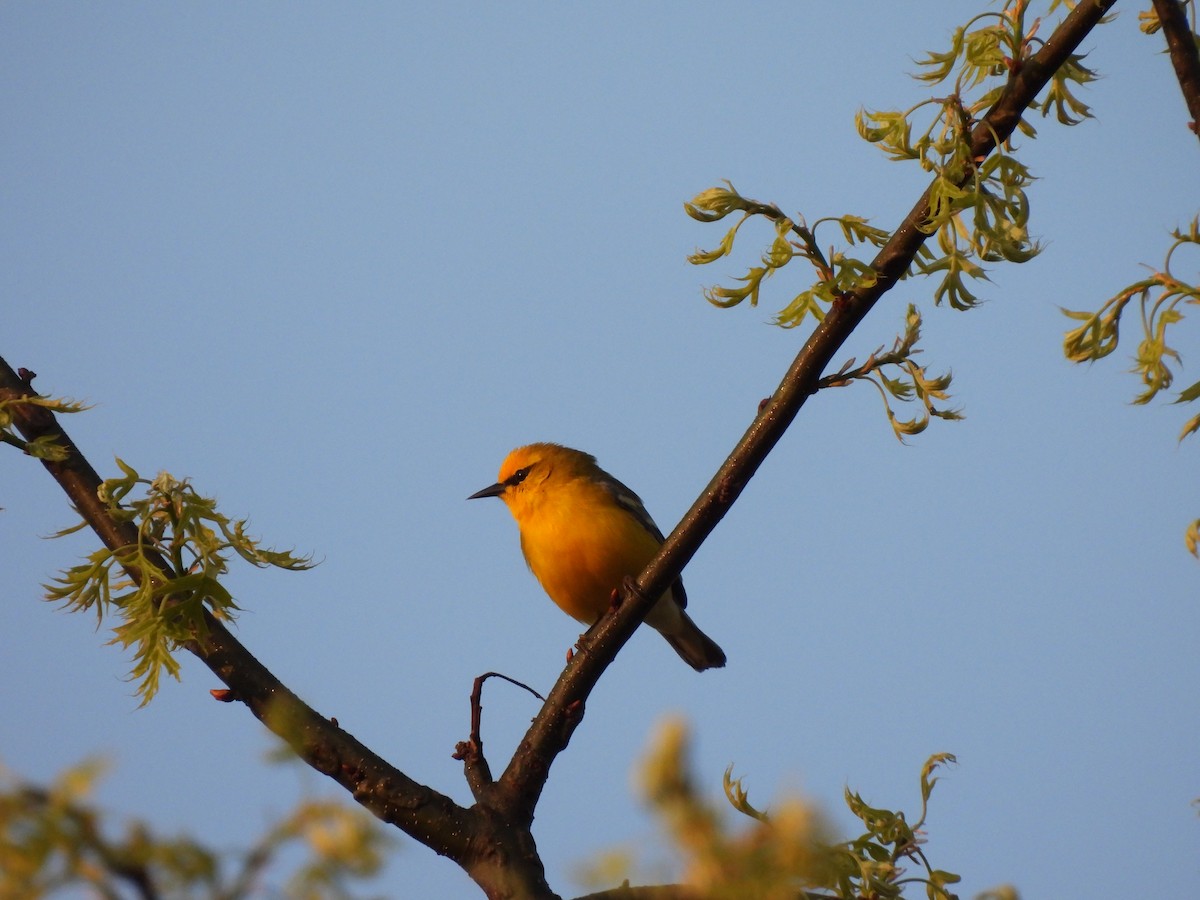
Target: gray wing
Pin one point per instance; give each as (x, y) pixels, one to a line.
(632, 504)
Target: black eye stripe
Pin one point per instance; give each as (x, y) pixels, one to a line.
(518, 476)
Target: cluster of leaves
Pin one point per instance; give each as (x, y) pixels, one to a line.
(1161, 296)
(837, 272)
(784, 853)
(44, 447)
(911, 383)
(978, 210)
(163, 584)
(53, 838)
(840, 274)
(869, 864)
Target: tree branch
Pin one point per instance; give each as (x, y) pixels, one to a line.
(422, 813)
(526, 774)
(1181, 44)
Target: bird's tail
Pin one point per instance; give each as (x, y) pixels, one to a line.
(695, 647)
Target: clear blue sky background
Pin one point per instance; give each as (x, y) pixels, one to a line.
(334, 261)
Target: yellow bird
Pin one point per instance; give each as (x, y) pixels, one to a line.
(582, 533)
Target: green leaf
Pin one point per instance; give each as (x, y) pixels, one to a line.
(715, 203)
(46, 447)
(738, 798)
(889, 129)
(704, 257)
(856, 230)
(1190, 427)
(938, 66)
(806, 303)
(160, 609)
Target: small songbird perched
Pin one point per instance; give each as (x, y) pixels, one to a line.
(582, 533)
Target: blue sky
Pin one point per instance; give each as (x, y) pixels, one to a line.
(333, 262)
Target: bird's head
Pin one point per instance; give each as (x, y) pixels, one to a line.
(526, 471)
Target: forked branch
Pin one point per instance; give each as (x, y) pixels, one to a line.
(492, 840)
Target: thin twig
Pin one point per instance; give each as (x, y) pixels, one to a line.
(470, 751)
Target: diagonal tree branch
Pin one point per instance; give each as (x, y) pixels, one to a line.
(522, 782)
(1181, 44)
(420, 812)
(499, 855)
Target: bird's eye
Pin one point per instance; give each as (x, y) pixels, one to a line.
(518, 476)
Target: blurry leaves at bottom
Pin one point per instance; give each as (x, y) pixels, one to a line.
(53, 839)
(910, 381)
(786, 850)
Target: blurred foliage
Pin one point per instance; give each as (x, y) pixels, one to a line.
(161, 610)
(784, 853)
(53, 841)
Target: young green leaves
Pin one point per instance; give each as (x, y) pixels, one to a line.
(1162, 297)
(160, 609)
(871, 862)
(836, 273)
(43, 447)
(976, 209)
(909, 383)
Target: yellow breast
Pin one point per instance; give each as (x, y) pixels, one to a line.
(580, 547)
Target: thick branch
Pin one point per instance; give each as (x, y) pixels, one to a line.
(1184, 56)
(526, 775)
(419, 811)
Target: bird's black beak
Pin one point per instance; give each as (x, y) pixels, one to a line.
(494, 490)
